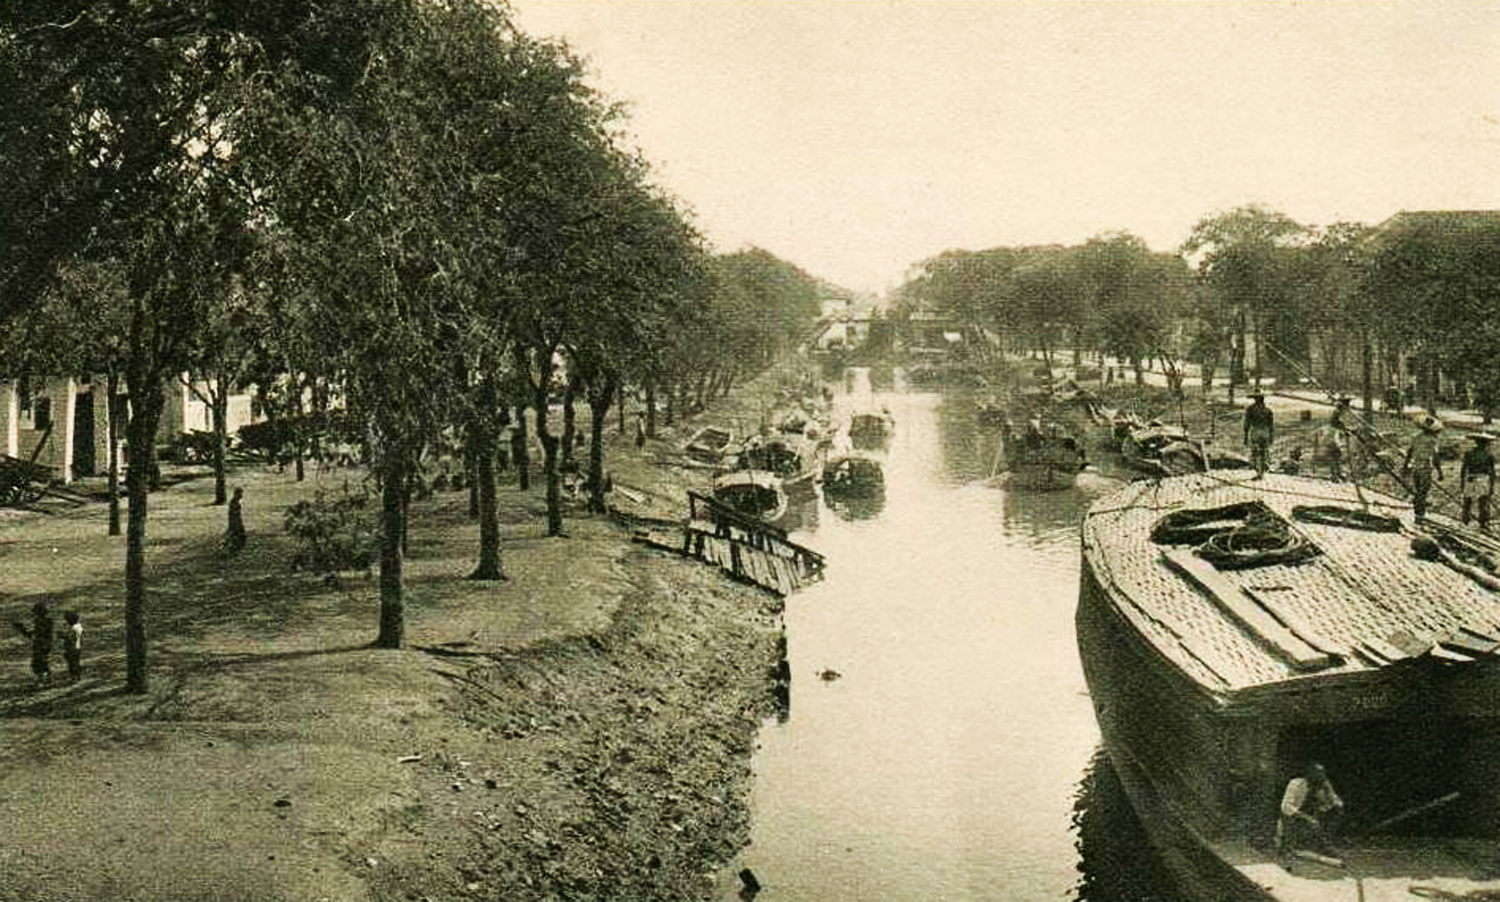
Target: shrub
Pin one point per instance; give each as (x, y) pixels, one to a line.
(333, 531)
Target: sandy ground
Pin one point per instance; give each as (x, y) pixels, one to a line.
(580, 731)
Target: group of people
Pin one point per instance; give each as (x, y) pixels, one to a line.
(1421, 466)
(43, 636)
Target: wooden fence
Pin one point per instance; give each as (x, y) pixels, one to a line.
(747, 548)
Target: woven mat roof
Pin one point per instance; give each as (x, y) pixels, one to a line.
(1364, 587)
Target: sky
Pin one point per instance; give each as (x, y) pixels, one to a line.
(856, 138)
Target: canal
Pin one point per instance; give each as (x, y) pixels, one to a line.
(955, 755)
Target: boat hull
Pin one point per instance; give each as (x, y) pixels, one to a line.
(1204, 768)
(1147, 717)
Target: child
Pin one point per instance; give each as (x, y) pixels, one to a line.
(40, 635)
(72, 639)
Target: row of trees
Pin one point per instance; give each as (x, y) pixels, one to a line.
(1422, 287)
(409, 206)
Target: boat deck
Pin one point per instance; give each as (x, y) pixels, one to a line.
(1361, 604)
(1385, 870)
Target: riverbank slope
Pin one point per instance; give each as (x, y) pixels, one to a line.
(579, 731)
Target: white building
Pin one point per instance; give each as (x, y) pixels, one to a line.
(64, 422)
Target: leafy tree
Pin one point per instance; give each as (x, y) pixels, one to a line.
(115, 152)
(1239, 258)
(1435, 279)
(1138, 299)
(1046, 301)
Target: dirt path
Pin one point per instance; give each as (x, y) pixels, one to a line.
(581, 731)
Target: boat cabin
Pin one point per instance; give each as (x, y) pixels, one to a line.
(755, 493)
(853, 475)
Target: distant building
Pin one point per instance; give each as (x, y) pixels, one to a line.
(64, 422)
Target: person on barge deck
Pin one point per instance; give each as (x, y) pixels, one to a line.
(1477, 476)
(1310, 812)
(1259, 429)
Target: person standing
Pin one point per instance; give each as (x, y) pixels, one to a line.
(1260, 426)
(40, 634)
(1422, 463)
(1338, 439)
(234, 537)
(1477, 476)
(72, 643)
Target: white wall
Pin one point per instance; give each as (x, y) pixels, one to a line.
(10, 412)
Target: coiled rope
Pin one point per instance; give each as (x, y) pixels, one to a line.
(1235, 536)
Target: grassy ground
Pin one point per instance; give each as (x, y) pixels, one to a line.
(583, 728)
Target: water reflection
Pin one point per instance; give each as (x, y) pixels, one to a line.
(858, 508)
(1044, 519)
(969, 452)
(1116, 862)
(801, 511)
(943, 763)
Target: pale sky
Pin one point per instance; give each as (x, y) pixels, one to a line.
(855, 138)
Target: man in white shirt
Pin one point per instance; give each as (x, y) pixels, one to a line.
(1310, 808)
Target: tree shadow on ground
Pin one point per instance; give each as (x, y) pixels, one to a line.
(206, 612)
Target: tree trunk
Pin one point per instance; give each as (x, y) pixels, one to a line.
(220, 408)
(671, 410)
(570, 419)
(406, 496)
(299, 426)
(620, 402)
(393, 526)
(1367, 372)
(147, 400)
(482, 446)
(520, 449)
(549, 463)
(471, 460)
(598, 410)
(114, 409)
(651, 408)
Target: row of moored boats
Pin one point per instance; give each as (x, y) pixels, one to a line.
(760, 475)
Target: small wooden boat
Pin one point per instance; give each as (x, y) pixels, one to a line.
(754, 493)
(795, 459)
(709, 443)
(870, 428)
(853, 476)
(1161, 450)
(1234, 631)
(1042, 456)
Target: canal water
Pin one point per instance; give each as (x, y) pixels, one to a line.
(955, 756)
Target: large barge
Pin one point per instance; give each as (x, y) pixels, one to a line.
(1356, 639)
